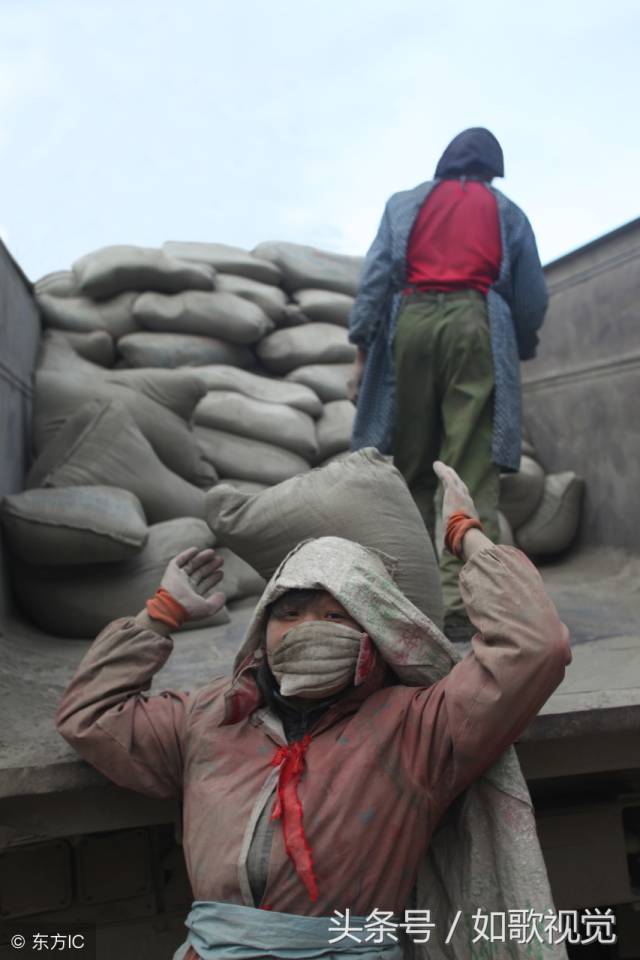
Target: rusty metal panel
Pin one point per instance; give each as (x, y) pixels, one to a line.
(113, 866)
(35, 879)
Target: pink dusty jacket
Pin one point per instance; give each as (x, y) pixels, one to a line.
(382, 766)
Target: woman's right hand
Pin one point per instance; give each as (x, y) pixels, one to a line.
(191, 577)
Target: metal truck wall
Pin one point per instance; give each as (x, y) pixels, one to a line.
(19, 337)
(581, 392)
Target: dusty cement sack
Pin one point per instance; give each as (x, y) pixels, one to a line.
(80, 601)
(58, 395)
(325, 306)
(97, 347)
(528, 450)
(272, 300)
(81, 315)
(520, 493)
(219, 377)
(306, 267)
(102, 446)
(328, 380)
(246, 459)
(217, 315)
(181, 350)
(337, 500)
(225, 259)
(77, 525)
(57, 355)
(59, 283)
(554, 525)
(116, 269)
(293, 317)
(334, 427)
(240, 580)
(270, 422)
(286, 350)
(505, 531)
(246, 486)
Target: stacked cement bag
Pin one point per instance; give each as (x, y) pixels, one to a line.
(539, 512)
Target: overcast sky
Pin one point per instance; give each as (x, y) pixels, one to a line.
(230, 121)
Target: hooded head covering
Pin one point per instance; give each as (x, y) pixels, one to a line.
(474, 152)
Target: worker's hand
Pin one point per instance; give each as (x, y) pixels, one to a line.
(456, 495)
(191, 578)
(353, 384)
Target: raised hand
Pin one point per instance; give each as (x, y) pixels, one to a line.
(191, 577)
(456, 495)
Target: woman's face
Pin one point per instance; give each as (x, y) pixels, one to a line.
(291, 611)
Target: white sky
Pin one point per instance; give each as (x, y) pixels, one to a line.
(230, 121)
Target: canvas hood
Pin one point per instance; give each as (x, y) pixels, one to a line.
(474, 151)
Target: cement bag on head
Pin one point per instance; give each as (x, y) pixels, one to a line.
(219, 377)
(520, 493)
(246, 459)
(181, 350)
(272, 300)
(59, 283)
(553, 526)
(505, 531)
(270, 422)
(285, 350)
(325, 306)
(239, 580)
(80, 601)
(97, 347)
(307, 267)
(361, 498)
(116, 269)
(328, 380)
(218, 315)
(77, 525)
(81, 315)
(58, 396)
(334, 427)
(225, 259)
(101, 445)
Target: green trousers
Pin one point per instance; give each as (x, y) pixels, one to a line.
(444, 396)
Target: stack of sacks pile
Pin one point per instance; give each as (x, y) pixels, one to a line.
(539, 512)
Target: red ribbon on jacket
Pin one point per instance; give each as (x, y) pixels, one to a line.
(288, 808)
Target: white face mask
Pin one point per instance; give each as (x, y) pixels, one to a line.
(316, 659)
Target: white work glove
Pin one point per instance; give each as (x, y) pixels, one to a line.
(190, 579)
(456, 495)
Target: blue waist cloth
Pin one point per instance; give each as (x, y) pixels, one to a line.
(230, 931)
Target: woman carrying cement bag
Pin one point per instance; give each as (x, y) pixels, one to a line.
(270, 422)
(181, 350)
(219, 315)
(285, 350)
(347, 709)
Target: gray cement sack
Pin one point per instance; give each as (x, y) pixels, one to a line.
(58, 356)
(219, 377)
(270, 422)
(74, 526)
(225, 259)
(272, 300)
(286, 350)
(97, 347)
(81, 315)
(116, 269)
(554, 525)
(328, 380)
(325, 306)
(338, 500)
(102, 446)
(246, 486)
(505, 531)
(59, 395)
(217, 315)
(181, 350)
(306, 267)
(520, 493)
(334, 427)
(239, 580)
(293, 317)
(79, 602)
(60, 283)
(245, 459)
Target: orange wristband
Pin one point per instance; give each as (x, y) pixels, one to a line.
(164, 607)
(457, 525)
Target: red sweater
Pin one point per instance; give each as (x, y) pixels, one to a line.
(455, 241)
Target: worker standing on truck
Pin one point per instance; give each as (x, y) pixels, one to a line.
(450, 300)
(314, 779)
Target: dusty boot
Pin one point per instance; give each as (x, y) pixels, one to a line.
(458, 628)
